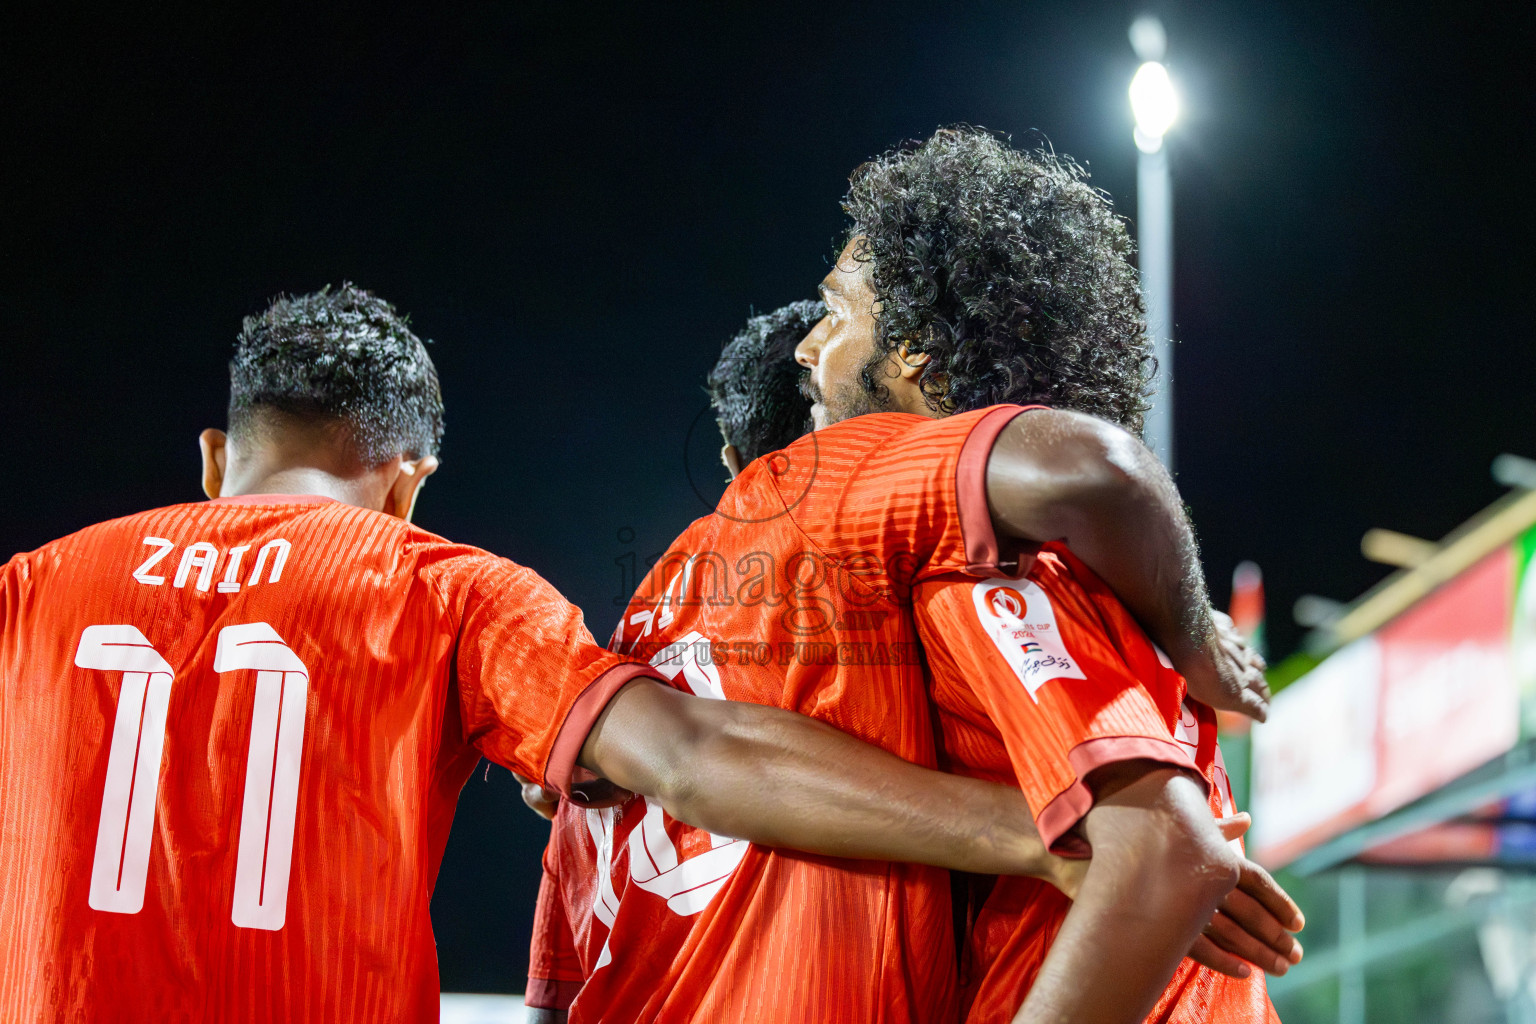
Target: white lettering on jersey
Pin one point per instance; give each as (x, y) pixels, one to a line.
(654, 863)
(281, 547)
(125, 831)
(270, 808)
(204, 557)
(646, 616)
(605, 902)
(691, 657)
(1187, 734)
(1018, 618)
(201, 556)
(230, 584)
(1223, 783)
(142, 572)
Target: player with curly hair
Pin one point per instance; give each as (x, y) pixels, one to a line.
(977, 281)
(343, 356)
(1003, 276)
(754, 386)
(802, 588)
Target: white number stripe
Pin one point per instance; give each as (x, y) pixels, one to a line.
(126, 830)
(270, 809)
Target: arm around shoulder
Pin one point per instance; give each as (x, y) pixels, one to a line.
(1062, 476)
(778, 778)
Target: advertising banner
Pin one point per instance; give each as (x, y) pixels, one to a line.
(1428, 697)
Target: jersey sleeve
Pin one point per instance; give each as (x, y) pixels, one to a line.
(531, 680)
(1055, 681)
(554, 968)
(910, 500)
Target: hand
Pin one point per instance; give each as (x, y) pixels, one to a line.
(1237, 682)
(1253, 923)
(541, 801)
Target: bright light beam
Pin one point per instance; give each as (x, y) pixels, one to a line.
(1155, 105)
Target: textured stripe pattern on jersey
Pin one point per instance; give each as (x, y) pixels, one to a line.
(332, 676)
(1037, 682)
(795, 593)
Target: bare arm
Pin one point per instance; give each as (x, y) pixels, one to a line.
(1064, 476)
(781, 779)
(1159, 871)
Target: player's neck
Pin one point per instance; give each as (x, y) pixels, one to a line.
(302, 480)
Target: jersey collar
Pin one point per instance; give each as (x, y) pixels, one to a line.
(272, 499)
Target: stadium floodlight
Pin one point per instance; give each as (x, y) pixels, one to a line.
(1155, 105)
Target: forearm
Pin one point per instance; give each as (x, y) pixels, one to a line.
(781, 779)
(1116, 950)
(1149, 891)
(1062, 476)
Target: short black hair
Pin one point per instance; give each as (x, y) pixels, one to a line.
(1008, 270)
(340, 354)
(755, 385)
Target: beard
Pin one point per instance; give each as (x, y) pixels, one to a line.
(848, 398)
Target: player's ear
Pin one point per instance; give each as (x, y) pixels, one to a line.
(732, 459)
(212, 444)
(910, 364)
(401, 499)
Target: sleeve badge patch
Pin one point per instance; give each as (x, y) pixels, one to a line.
(1018, 618)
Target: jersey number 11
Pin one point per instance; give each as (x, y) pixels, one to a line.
(267, 815)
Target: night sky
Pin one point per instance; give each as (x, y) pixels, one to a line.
(579, 204)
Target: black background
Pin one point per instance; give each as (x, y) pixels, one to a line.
(580, 202)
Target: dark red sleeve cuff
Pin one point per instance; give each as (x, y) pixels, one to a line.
(1068, 808)
(562, 771)
(551, 994)
(983, 554)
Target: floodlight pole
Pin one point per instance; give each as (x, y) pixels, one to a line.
(1155, 105)
(1154, 240)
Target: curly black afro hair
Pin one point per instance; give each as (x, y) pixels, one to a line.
(342, 355)
(1008, 270)
(755, 385)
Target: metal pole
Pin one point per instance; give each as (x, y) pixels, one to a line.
(1154, 237)
(1352, 944)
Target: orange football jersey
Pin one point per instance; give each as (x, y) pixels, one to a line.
(1039, 681)
(796, 592)
(232, 735)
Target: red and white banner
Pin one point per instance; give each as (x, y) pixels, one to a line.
(1393, 716)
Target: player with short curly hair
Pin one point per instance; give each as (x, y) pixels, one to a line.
(755, 385)
(341, 353)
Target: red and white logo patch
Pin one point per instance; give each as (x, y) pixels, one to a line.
(1018, 618)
